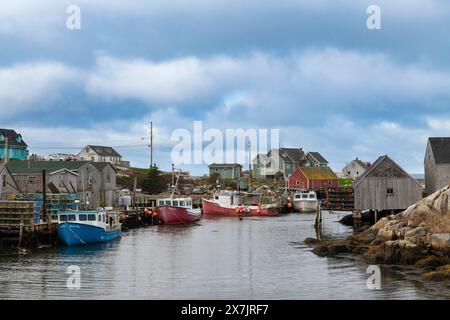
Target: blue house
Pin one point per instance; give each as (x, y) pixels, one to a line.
(15, 147)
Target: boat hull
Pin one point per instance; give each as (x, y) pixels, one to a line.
(306, 206)
(176, 215)
(73, 234)
(211, 207)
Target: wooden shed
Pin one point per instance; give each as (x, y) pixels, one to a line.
(385, 186)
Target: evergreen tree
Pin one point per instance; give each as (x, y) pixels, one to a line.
(154, 182)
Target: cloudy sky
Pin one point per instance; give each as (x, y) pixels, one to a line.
(310, 68)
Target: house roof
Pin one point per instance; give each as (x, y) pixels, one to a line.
(289, 154)
(373, 170)
(18, 166)
(227, 165)
(102, 165)
(316, 157)
(441, 149)
(105, 151)
(12, 135)
(318, 173)
(362, 164)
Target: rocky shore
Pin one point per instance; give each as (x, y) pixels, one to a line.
(418, 236)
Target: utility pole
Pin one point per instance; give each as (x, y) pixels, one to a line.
(249, 163)
(151, 144)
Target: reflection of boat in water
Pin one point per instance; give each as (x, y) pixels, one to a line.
(177, 210)
(83, 227)
(232, 203)
(305, 201)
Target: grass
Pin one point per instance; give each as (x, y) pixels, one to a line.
(345, 182)
(140, 170)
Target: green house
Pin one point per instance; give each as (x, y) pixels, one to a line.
(226, 171)
(12, 145)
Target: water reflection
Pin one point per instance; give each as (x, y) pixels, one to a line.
(218, 258)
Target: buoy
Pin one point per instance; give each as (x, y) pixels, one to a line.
(289, 205)
(155, 214)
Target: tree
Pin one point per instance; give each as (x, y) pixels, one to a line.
(154, 183)
(213, 178)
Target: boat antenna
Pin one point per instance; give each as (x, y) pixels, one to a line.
(174, 187)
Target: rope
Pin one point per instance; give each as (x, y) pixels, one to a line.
(68, 227)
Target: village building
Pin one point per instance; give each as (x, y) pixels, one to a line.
(227, 171)
(108, 190)
(437, 164)
(385, 186)
(8, 186)
(313, 178)
(280, 163)
(101, 154)
(81, 177)
(354, 169)
(12, 145)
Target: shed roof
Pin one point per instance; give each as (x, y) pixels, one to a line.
(102, 165)
(19, 166)
(12, 135)
(441, 149)
(318, 173)
(374, 171)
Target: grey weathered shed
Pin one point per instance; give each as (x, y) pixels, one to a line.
(385, 186)
(437, 164)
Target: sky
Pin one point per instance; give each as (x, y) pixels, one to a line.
(311, 69)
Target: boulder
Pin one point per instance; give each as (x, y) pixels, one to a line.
(441, 274)
(310, 241)
(432, 262)
(440, 241)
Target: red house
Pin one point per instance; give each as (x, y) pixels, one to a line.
(313, 178)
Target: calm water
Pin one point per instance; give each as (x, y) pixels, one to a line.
(221, 258)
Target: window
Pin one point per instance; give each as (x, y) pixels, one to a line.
(188, 204)
(31, 180)
(167, 202)
(182, 203)
(99, 218)
(304, 196)
(91, 217)
(72, 217)
(175, 203)
(390, 191)
(311, 196)
(216, 197)
(63, 217)
(4, 180)
(160, 202)
(108, 178)
(82, 217)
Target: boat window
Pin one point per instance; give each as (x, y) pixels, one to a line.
(99, 218)
(175, 203)
(82, 217)
(216, 197)
(182, 203)
(311, 196)
(103, 218)
(188, 203)
(72, 217)
(297, 196)
(304, 196)
(63, 217)
(167, 202)
(91, 217)
(161, 202)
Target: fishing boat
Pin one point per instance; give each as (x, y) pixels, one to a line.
(83, 227)
(177, 210)
(232, 203)
(305, 201)
(228, 203)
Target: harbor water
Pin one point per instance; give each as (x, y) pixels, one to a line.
(217, 258)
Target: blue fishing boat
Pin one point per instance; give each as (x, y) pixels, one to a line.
(83, 227)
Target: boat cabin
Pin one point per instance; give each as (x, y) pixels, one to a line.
(99, 218)
(177, 202)
(305, 195)
(227, 200)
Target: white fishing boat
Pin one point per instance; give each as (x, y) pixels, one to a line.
(305, 201)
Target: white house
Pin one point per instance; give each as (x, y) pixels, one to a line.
(100, 154)
(354, 169)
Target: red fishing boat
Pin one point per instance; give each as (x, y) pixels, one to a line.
(236, 204)
(177, 211)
